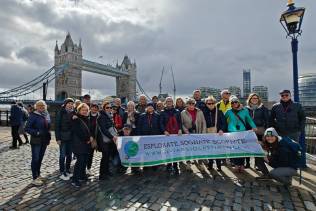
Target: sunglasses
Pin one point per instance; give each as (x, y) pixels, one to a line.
(108, 107)
(210, 103)
(234, 102)
(191, 103)
(227, 93)
(285, 95)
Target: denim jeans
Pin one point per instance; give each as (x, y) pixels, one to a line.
(65, 156)
(38, 151)
(80, 167)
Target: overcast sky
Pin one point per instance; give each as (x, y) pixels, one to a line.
(207, 42)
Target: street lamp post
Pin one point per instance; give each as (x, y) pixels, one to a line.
(291, 20)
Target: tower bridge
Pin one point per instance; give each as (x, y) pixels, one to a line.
(69, 83)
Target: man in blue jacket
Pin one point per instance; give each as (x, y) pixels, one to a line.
(16, 119)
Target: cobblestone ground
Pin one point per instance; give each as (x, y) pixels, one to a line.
(196, 189)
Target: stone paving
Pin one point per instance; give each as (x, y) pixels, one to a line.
(194, 189)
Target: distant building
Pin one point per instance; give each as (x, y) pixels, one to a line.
(208, 91)
(235, 90)
(262, 91)
(246, 83)
(307, 92)
(162, 97)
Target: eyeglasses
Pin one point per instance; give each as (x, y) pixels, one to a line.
(210, 103)
(234, 102)
(255, 98)
(285, 95)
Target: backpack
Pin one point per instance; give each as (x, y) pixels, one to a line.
(296, 150)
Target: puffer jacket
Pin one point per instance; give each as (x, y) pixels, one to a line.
(288, 119)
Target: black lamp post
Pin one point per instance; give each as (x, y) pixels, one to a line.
(291, 20)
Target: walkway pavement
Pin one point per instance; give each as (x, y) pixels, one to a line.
(197, 189)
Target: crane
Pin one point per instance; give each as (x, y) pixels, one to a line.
(160, 85)
(174, 85)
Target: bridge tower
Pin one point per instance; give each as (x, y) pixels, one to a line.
(126, 85)
(69, 82)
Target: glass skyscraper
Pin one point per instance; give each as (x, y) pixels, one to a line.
(307, 90)
(246, 83)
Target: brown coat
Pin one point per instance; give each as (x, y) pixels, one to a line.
(199, 122)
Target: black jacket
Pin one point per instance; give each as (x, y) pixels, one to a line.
(93, 124)
(81, 135)
(149, 125)
(104, 123)
(287, 119)
(164, 118)
(284, 155)
(260, 116)
(210, 119)
(63, 125)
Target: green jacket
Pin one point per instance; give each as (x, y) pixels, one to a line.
(235, 124)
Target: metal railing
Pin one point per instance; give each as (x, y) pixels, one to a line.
(310, 135)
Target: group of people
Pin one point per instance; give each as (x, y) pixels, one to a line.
(83, 127)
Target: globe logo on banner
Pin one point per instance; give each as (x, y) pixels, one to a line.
(131, 149)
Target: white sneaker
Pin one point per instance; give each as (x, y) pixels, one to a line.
(64, 177)
(69, 174)
(89, 172)
(37, 182)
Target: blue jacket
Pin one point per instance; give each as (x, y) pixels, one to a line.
(164, 118)
(16, 115)
(235, 124)
(210, 119)
(38, 127)
(147, 125)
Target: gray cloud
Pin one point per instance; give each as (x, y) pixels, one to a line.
(208, 43)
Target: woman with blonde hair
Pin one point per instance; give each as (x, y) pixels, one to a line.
(130, 117)
(38, 126)
(215, 123)
(81, 145)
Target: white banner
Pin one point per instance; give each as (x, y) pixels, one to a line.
(138, 151)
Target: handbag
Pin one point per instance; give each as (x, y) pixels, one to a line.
(106, 139)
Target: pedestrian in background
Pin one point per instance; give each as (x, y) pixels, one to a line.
(16, 120)
(38, 126)
(63, 133)
(198, 99)
(24, 120)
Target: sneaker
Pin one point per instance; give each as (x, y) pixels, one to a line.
(69, 174)
(37, 182)
(264, 177)
(89, 172)
(42, 178)
(13, 147)
(76, 184)
(64, 177)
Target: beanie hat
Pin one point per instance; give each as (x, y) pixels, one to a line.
(233, 99)
(68, 100)
(150, 104)
(271, 132)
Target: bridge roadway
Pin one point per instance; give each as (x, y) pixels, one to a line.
(195, 189)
